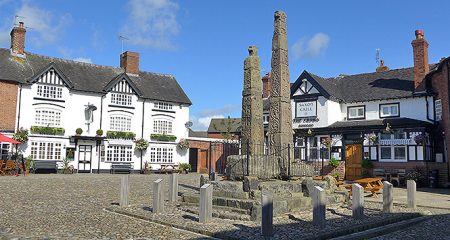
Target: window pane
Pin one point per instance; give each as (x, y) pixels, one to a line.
(385, 152)
(394, 110)
(399, 152)
(385, 136)
(385, 111)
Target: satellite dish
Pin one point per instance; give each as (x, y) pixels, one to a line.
(188, 124)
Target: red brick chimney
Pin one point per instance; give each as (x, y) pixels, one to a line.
(129, 61)
(266, 85)
(18, 39)
(421, 67)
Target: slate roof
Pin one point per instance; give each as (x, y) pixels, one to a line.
(221, 125)
(391, 84)
(198, 134)
(90, 77)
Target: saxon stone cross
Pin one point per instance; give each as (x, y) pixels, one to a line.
(280, 124)
(252, 104)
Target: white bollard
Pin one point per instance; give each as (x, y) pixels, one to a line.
(267, 215)
(158, 196)
(411, 186)
(388, 198)
(318, 207)
(357, 201)
(124, 190)
(173, 187)
(205, 214)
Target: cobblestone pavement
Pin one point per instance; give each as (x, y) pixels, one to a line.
(440, 196)
(57, 206)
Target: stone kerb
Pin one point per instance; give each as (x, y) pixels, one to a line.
(318, 200)
(357, 201)
(411, 196)
(205, 214)
(158, 196)
(124, 191)
(267, 214)
(388, 199)
(173, 187)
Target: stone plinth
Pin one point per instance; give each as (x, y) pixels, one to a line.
(158, 196)
(357, 201)
(173, 187)
(388, 198)
(205, 214)
(124, 190)
(411, 189)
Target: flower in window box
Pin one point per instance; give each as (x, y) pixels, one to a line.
(183, 144)
(141, 144)
(420, 139)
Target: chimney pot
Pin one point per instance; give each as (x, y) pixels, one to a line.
(266, 85)
(419, 34)
(21, 24)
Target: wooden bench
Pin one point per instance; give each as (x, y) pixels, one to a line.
(121, 167)
(47, 166)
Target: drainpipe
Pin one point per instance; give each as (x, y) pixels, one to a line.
(20, 104)
(142, 128)
(99, 152)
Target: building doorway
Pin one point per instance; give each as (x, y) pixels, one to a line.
(353, 160)
(84, 158)
(193, 158)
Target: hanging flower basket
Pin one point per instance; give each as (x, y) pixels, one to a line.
(183, 144)
(141, 144)
(420, 139)
(373, 138)
(327, 142)
(21, 135)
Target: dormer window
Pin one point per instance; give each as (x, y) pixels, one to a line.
(121, 99)
(49, 91)
(389, 110)
(163, 106)
(356, 112)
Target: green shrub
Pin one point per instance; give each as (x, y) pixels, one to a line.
(334, 162)
(99, 132)
(47, 130)
(163, 137)
(185, 167)
(115, 134)
(79, 131)
(366, 164)
(21, 135)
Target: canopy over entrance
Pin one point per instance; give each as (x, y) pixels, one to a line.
(6, 139)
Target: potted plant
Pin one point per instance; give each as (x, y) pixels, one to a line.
(141, 144)
(366, 165)
(334, 162)
(99, 132)
(21, 135)
(79, 131)
(183, 144)
(147, 168)
(29, 164)
(185, 167)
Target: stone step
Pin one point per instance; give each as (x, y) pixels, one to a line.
(221, 208)
(222, 212)
(222, 201)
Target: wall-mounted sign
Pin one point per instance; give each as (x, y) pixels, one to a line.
(306, 109)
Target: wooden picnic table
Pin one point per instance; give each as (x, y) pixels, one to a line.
(373, 185)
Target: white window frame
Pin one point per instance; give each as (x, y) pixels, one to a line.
(47, 117)
(161, 154)
(120, 123)
(356, 109)
(49, 91)
(393, 157)
(119, 153)
(46, 150)
(438, 109)
(163, 126)
(163, 105)
(121, 99)
(389, 106)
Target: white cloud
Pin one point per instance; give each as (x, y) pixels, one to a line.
(201, 121)
(46, 24)
(82, 59)
(204, 122)
(152, 23)
(313, 47)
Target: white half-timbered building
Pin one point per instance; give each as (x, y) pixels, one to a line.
(113, 106)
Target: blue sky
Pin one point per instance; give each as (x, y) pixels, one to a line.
(203, 43)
